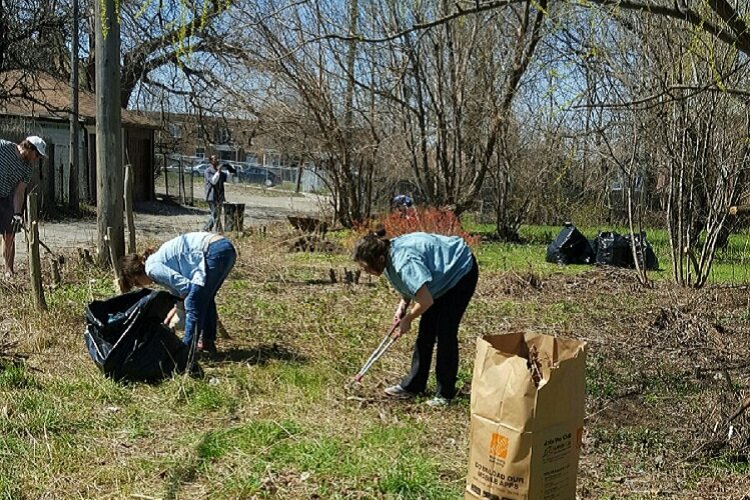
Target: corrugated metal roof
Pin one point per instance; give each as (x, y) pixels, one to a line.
(50, 98)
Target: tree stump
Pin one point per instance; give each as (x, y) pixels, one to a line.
(234, 216)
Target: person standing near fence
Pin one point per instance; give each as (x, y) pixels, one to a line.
(215, 178)
(15, 174)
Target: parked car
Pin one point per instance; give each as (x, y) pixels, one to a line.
(229, 169)
(257, 175)
(199, 170)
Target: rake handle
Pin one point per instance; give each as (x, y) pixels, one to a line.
(384, 345)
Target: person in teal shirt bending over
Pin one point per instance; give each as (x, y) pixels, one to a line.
(439, 273)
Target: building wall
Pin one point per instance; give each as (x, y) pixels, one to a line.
(138, 150)
(54, 173)
(139, 153)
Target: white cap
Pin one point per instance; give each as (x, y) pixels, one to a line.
(39, 144)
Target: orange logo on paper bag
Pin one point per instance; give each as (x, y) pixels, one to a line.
(499, 446)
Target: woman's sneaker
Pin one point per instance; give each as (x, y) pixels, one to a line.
(396, 391)
(438, 401)
(209, 347)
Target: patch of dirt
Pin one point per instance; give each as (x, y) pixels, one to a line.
(667, 367)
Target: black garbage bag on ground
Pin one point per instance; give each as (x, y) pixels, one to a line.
(128, 341)
(570, 247)
(646, 256)
(613, 250)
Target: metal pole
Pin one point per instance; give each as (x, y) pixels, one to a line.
(166, 176)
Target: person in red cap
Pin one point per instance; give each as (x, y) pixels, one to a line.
(16, 161)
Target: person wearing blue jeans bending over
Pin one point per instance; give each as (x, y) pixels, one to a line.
(192, 266)
(439, 274)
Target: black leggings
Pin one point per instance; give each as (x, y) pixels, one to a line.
(440, 323)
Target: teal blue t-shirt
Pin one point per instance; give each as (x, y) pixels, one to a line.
(417, 259)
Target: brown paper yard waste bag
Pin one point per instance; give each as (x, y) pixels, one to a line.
(527, 408)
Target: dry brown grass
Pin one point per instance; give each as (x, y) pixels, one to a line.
(274, 418)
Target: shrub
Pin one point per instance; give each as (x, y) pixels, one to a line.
(427, 220)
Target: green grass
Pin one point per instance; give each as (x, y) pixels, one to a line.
(730, 266)
(273, 417)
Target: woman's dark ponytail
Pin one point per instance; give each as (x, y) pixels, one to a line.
(372, 249)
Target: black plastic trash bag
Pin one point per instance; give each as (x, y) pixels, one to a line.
(128, 341)
(613, 250)
(646, 256)
(570, 247)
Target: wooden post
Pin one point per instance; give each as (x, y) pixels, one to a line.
(129, 207)
(35, 264)
(192, 192)
(115, 263)
(55, 265)
(181, 183)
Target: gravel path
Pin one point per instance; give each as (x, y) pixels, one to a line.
(161, 221)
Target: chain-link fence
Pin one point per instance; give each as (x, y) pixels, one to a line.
(181, 177)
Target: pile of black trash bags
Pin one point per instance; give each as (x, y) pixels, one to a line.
(127, 339)
(608, 248)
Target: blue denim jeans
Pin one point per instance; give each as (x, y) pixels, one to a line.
(200, 306)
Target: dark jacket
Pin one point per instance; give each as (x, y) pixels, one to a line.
(214, 192)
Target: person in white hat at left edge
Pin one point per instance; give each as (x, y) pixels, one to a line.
(16, 162)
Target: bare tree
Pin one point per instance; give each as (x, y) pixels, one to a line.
(73, 199)
(317, 87)
(32, 41)
(158, 37)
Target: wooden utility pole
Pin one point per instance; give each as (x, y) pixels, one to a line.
(73, 199)
(109, 172)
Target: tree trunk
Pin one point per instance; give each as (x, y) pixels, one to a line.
(353, 212)
(73, 199)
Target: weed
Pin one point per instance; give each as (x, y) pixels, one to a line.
(15, 376)
(271, 418)
(732, 465)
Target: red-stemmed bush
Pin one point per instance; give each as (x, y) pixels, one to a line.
(426, 220)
